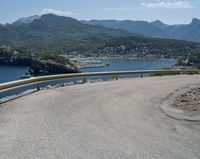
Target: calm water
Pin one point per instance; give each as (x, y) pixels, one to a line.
(10, 73)
(132, 64)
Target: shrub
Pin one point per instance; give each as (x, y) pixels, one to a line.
(117, 77)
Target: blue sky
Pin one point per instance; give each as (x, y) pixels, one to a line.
(168, 11)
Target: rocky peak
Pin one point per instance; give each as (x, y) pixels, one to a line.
(26, 20)
(159, 24)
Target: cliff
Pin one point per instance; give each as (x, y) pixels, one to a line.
(10, 56)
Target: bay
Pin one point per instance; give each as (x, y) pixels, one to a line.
(11, 73)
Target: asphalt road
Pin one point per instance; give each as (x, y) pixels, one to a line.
(107, 120)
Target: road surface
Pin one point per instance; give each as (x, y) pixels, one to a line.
(107, 120)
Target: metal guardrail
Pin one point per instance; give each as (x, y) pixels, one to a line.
(37, 80)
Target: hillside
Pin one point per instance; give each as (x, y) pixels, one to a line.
(51, 33)
(39, 64)
(141, 45)
(150, 47)
(189, 32)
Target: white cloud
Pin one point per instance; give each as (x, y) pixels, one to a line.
(56, 12)
(115, 9)
(167, 4)
(119, 9)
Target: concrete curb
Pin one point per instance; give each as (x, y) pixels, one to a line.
(179, 114)
(13, 97)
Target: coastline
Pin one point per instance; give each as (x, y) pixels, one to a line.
(126, 58)
(84, 63)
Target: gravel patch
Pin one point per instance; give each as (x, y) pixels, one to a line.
(189, 100)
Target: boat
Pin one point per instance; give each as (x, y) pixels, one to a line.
(26, 75)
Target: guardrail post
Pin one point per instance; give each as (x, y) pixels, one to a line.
(116, 77)
(38, 87)
(84, 80)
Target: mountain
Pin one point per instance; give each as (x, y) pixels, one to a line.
(189, 32)
(139, 27)
(57, 34)
(26, 20)
(52, 33)
(159, 24)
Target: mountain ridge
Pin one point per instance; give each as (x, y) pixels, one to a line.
(26, 20)
(56, 34)
(189, 32)
(31, 18)
(158, 29)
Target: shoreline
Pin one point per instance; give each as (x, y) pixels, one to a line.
(128, 58)
(87, 66)
(103, 64)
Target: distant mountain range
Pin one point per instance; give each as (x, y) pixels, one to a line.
(52, 33)
(189, 32)
(58, 34)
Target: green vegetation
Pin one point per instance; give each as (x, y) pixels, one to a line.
(187, 53)
(38, 63)
(192, 72)
(194, 58)
(117, 77)
(169, 73)
(11, 53)
(56, 34)
(154, 46)
(53, 57)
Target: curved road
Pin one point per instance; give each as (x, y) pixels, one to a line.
(107, 120)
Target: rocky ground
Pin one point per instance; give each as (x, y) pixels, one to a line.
(189, 100)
